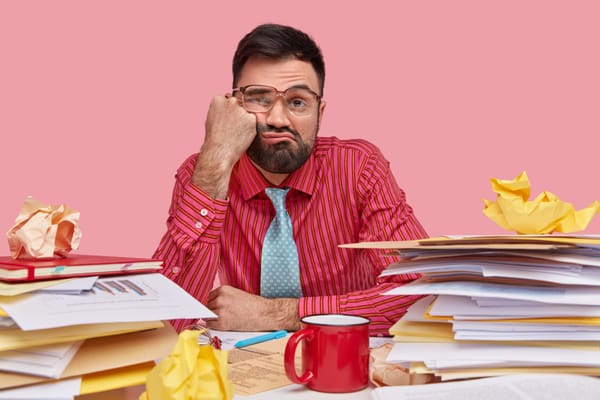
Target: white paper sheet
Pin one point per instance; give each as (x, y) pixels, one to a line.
(499, 326)
(71, 286)
(418, 309)
(499, 353)
(544, 271)
(556, 295)
(48, 361)
(126, 298)
(65, 389)
(462, 307)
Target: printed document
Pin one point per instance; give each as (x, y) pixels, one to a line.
(125, 298)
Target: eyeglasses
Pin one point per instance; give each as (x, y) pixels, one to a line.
(300, 101)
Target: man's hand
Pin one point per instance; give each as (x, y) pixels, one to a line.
(229, 131)
(242, 311)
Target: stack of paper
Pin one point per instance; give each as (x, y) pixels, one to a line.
(499, 305)
(106, 331)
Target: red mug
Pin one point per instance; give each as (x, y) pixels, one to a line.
(335, 353)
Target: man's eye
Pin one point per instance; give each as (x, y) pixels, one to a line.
(260, 100)
(297, 103)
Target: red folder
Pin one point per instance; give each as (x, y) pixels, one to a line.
(74, 265)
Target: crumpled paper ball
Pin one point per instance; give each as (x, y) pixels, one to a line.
(190, 372)
(44, 231)
(513, 211)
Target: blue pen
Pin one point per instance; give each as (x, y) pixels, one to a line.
(261, 338)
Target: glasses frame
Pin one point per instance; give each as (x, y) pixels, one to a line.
(278, 93)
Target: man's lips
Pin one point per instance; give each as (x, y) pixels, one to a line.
(276, 137)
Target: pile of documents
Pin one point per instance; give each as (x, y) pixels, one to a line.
(94, 333)
(497, 305)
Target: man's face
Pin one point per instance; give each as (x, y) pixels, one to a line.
(284, 141)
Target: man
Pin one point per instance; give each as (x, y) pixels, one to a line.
(263, 135)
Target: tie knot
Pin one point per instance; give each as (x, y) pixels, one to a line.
(277, 197)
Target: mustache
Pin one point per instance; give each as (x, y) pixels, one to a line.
(261, 128)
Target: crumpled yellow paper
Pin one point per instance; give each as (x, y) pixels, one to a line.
(191, 372)
(43, 231)
(512, 209)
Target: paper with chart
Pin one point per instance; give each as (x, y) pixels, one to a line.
(126, 298)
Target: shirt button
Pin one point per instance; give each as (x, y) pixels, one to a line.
(198, 224)
(204, 212)
(176, 270)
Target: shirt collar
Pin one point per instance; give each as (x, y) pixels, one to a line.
(252, 182)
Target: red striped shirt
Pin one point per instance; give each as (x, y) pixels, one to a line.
(344, 193)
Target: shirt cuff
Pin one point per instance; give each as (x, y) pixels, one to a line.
(200, 216)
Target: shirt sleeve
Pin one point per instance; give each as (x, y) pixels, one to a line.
(385, 215)
(190, 248)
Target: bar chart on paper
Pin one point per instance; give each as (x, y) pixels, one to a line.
(128, 298)
(120, 286)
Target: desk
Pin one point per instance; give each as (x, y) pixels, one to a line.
(292, 392)
(299, 392)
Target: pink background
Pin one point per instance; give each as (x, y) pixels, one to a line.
(100, 101)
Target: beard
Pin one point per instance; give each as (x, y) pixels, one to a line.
(283, 157)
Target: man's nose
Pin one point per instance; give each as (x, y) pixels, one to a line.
(278, 115)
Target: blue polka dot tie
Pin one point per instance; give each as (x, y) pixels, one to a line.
(279, 276)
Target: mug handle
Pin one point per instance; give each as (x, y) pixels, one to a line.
(290, 355)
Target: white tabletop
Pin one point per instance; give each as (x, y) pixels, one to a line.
(300, 392)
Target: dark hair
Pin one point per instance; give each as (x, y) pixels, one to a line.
(278, 42)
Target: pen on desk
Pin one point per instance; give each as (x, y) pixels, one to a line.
(261, 338)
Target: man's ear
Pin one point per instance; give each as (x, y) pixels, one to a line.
(321, 110)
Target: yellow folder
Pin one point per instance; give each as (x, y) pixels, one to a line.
(15, 338)
(108, 353)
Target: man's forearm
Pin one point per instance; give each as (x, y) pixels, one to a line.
(242, 311)
(285, 314)
(212, 173)
(229, 130)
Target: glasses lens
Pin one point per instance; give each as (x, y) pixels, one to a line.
(259, 98)
(299, 101)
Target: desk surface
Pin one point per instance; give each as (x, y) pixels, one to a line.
(299, 392)
(293, 392)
